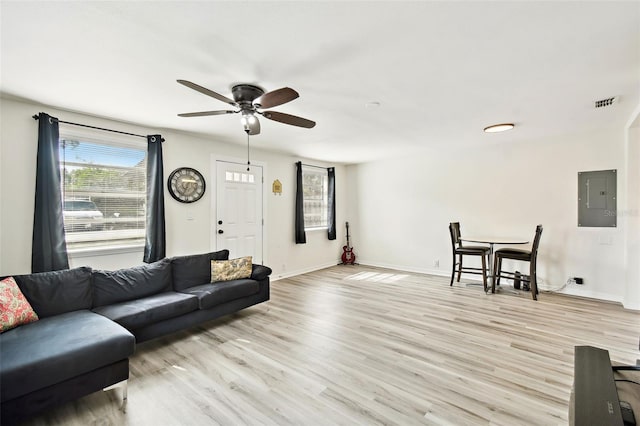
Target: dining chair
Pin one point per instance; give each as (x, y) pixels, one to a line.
(460, 251)
(522, 255)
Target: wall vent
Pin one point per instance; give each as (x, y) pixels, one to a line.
(605, 102)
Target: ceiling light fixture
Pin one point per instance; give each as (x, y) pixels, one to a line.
(247, 118)
(499, 127)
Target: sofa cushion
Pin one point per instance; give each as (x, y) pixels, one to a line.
(189, 271)
(260, 272)
(138, 313)
(111, 287)
(213, 294)
(228, 270)
(57, 292)
(57, 348)
(15, 309)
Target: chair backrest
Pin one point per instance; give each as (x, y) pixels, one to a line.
(536, 241)
(454, 230)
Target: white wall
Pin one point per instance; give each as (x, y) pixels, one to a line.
(18, 145)
(503, 188)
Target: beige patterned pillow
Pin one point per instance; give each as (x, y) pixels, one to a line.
(234, 269)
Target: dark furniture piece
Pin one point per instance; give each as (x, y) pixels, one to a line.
(58, 359)
(595, 396)
(90, 321)
(530, 256)
(460, 251)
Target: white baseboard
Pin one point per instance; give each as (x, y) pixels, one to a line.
(288, 274)
(428, 271)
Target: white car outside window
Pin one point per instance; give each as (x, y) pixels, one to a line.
(82, 215)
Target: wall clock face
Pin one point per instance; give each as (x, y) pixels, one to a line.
(186, 185)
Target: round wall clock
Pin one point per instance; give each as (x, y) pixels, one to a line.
(186, 184)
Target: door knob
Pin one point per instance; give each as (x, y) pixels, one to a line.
(220, 231)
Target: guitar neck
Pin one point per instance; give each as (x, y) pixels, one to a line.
(348, 244)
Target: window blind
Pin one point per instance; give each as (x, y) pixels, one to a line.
(104, 193)
(315, 191)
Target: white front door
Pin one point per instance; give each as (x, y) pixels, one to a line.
(239, 210)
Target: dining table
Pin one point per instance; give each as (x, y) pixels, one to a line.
(483, 239)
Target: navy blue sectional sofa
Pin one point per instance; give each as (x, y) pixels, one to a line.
(90, 322)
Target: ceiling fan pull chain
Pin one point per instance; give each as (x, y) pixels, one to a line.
(248, 162)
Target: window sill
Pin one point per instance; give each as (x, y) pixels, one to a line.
(321, 228)
(105, 251)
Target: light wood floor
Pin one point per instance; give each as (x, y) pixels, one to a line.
(360, 345)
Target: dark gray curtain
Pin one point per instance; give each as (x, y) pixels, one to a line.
(155, 241)
(301, 237)
(331, 204)
(48, 249)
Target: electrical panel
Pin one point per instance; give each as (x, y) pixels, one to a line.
(597, 199)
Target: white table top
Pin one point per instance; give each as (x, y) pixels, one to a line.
(495, 240)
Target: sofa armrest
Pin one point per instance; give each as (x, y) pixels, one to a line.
(260, 272)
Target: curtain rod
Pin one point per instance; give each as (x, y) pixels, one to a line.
(317, 167)
(35, 117)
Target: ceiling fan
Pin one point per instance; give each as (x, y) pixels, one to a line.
(244, 96)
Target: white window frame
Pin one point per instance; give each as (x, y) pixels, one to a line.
(89, 243)
(318, 205)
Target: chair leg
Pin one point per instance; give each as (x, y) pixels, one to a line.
(497, 268)
(533, 281)
(484, 273)
(460, 268)
(453, 270)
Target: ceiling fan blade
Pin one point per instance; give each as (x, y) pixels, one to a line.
(289, 119)
(207, 92)
(205, 113)
(277, 97)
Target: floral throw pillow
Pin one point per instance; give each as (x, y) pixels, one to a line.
(234, 269)
(14, 307)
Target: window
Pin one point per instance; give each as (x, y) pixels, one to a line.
(315, 190)
(104, 191)
(239, 177)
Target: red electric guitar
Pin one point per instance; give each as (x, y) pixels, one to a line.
(348, 256)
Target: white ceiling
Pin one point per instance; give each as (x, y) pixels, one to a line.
(441, 71)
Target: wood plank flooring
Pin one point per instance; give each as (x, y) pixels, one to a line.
(357, 345)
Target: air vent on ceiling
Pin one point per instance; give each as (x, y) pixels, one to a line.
(605, 102)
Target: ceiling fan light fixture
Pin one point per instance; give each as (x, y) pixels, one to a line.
(247, 118)
(495, 128)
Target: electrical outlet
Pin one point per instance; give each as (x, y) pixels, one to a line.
(575, 280)
(436, 263)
